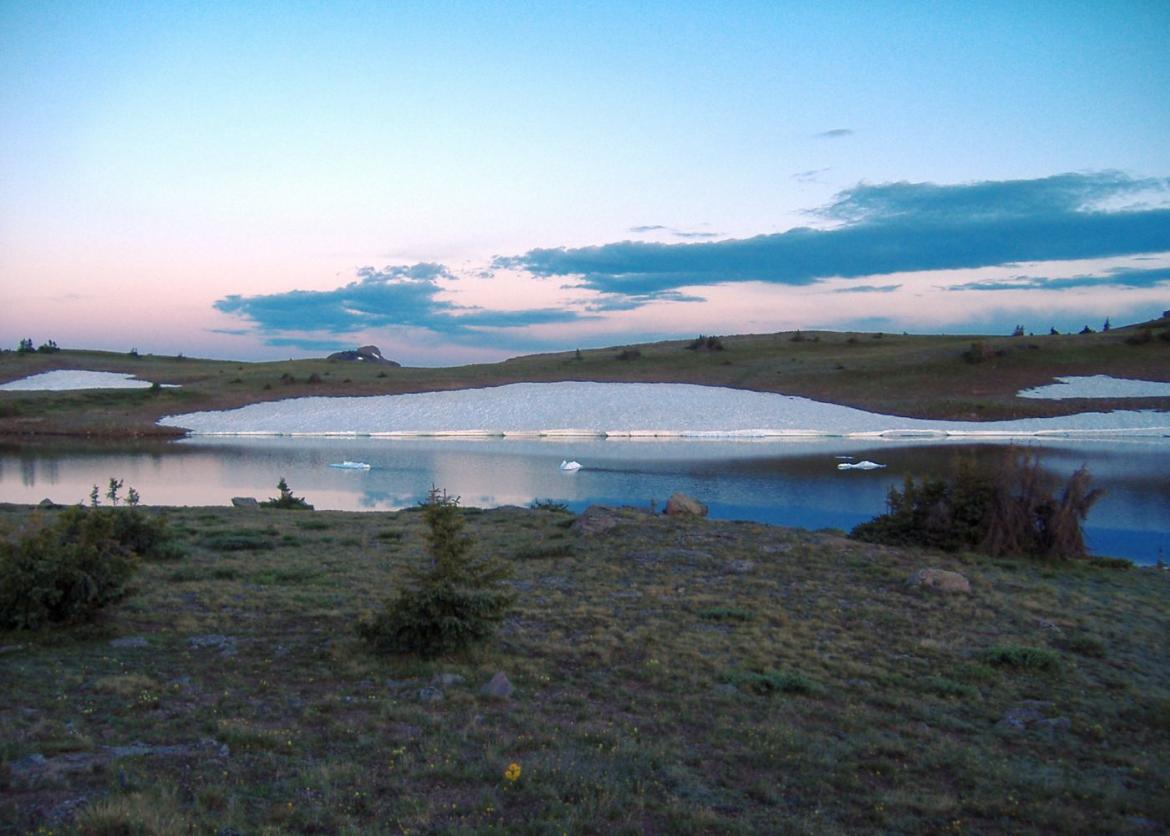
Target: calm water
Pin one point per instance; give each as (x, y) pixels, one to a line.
(784, 482)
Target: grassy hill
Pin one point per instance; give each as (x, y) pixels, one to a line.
(943, 377)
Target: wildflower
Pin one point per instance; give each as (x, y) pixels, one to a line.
(512, 773)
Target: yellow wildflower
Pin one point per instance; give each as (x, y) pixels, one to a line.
(512, 772)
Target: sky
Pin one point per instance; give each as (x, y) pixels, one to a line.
(464, 182)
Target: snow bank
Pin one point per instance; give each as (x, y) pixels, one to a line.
(622, 410)
(1098, 386)
(67, 379)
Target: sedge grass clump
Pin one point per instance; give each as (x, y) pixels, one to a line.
(63, 572)
(1021, 657)
(452, 602)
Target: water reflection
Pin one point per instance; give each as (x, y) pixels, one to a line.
(786, 482)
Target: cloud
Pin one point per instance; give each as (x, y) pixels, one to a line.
(618, 302)
(308, 343)
(836, 133)
(888, 228)
(809, 176)
(399, 297)
(869, 288)
(1121, 277)
(677, 233)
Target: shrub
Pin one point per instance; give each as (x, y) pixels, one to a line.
(49, 347)
(1021, 657)
(237, 541)
(706, 344)
(450, 604)
(286, 500)
(980, 351)
(26, 346)
(149, 537)
(549, 505)
(768, 682)
(630, 354)
(1011, 509)
(63, 572)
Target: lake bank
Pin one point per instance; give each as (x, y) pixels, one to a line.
(680, 675)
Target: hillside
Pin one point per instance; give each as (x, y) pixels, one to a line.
(935, 376)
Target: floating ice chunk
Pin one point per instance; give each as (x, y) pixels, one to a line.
(865, 464)
(568, 465)
(348, 465)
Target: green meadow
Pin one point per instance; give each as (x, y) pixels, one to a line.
(669, 676)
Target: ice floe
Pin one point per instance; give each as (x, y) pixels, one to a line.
(68, 379)
(624, 410)
(1098, 386)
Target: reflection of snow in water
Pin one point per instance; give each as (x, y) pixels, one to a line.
(65, 380)
(627, 410)
(1098, 386)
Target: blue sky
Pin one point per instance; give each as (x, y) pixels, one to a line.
(458, 181)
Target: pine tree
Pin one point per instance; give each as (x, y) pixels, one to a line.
(453, 601)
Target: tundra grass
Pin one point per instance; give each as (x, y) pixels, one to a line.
(670, 676)
(926, 376)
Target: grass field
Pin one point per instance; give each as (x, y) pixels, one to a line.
(917, 376)
(671, 676)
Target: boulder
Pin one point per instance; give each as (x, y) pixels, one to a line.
(940, 580)
(245, 502)
(498, 687)
(681, 505)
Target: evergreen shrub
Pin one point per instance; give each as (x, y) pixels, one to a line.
(452, 602)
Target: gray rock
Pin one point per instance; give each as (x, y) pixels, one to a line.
(225, 644)
(498, 687)
(596, 519)
(47, 503)
(739, 567)
(245, 502)
(430, 695)
(940, 580)
(446, 680)
(681, 505)
(29, 763)
(129, 641)
(1142, 823)
(1030, 715)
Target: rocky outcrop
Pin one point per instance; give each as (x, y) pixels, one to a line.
(365, 354)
